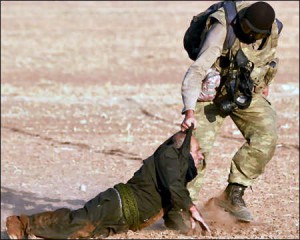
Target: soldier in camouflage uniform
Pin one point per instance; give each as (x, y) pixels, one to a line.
(257, 32)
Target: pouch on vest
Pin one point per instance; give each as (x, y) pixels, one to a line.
(269, 76)
(273, 67)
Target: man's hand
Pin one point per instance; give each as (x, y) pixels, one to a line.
(188, 120)
(197, 217)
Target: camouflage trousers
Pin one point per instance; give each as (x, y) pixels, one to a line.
(257, 124)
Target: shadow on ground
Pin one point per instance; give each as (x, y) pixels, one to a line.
(20, 202)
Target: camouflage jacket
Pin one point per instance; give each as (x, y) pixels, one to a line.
(261, 53)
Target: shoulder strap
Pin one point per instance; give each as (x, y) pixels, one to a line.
(275, 33)
(214, 7)
(279, 25)
(230, 13)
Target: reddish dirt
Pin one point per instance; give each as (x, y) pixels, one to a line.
(89, 89)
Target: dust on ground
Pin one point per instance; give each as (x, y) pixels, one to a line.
(90, 89)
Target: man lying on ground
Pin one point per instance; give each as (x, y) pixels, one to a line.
(157, 189)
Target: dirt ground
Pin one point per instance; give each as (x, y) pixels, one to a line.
(90, 89)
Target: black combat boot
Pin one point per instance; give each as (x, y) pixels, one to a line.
(232, 201)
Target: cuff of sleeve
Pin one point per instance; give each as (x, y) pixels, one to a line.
(187, 108)
(188, 205)
(185, 205)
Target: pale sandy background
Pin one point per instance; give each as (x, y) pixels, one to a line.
(89, 89)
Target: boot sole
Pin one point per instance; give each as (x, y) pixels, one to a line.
(232, 211)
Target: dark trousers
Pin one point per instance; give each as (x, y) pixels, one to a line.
(99, 217)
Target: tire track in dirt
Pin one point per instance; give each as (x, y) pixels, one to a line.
(114, 151)
(146, 112)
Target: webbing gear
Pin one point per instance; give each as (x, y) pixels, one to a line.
(130, 207)
(238, 84)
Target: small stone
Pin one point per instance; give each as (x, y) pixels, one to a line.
(82, 188)
(104, 115)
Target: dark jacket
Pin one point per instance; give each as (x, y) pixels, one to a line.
(161, 181)
(159, 184)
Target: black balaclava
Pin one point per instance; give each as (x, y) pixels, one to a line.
(243, 37)
(259, 17)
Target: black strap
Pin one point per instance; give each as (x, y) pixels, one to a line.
(230, 13)
(214, 8)
(279, 25)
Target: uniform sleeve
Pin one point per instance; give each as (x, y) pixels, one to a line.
(210, 51)
(168, 169)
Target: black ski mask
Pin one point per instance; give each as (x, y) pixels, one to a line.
(243, 37)
(257, 20)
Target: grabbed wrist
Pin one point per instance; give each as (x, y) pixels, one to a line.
(189, 113)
